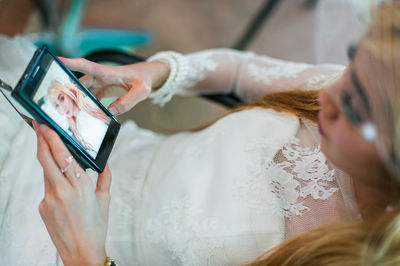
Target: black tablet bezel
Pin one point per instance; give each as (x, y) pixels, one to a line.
(26, 88)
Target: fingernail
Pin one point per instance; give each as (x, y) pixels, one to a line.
(43, 128)
(113, 110)
(35, 125)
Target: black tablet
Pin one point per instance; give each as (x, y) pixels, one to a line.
(54, 96)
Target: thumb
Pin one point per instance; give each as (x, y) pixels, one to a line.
(104, 181)
(138, 92)
(82, 65)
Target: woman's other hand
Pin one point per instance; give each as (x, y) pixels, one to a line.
(74, 209)
(138, 80)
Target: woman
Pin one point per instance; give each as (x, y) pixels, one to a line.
(254, 178)
(72, 103)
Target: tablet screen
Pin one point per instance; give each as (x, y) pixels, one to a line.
(76, 113)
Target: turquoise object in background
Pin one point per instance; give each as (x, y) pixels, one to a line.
(72, 41)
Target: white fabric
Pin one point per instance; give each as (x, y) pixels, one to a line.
(21, 51)
(219, 196)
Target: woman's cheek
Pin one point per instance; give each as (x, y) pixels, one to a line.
(344, 145)
(341, 148)
(69, 105)
(354, 151)
(60, 111)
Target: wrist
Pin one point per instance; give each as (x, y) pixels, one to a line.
(100, 261)
(87, 259)
(175, 81)
(159, 74)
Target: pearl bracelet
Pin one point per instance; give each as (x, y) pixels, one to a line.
(178, 68)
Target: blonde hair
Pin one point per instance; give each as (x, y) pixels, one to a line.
(351, 243)
(386, 29)
(77, 96)
(370, 242)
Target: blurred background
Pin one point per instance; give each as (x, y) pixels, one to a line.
(313, 31)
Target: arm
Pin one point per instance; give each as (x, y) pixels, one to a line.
(72, 125)
(87, 146)
(251, 76)
(246, 74)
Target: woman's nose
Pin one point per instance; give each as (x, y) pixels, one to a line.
(329, 106)
(63, 105)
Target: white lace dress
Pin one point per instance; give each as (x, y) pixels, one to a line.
(220, 196)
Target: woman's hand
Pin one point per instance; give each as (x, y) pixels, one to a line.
(138, 80)
(74, 209)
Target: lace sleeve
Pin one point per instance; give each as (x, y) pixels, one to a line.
(251, 76)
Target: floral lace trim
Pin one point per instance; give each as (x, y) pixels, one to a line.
(268, 74)
(183, 230)
(199, 64)
(320, 81)
(275, 70)
(303, 172)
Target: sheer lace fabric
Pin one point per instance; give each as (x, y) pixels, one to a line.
(220, 196)
(251, 76)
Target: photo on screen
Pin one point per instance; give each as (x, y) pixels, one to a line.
(77, 114)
